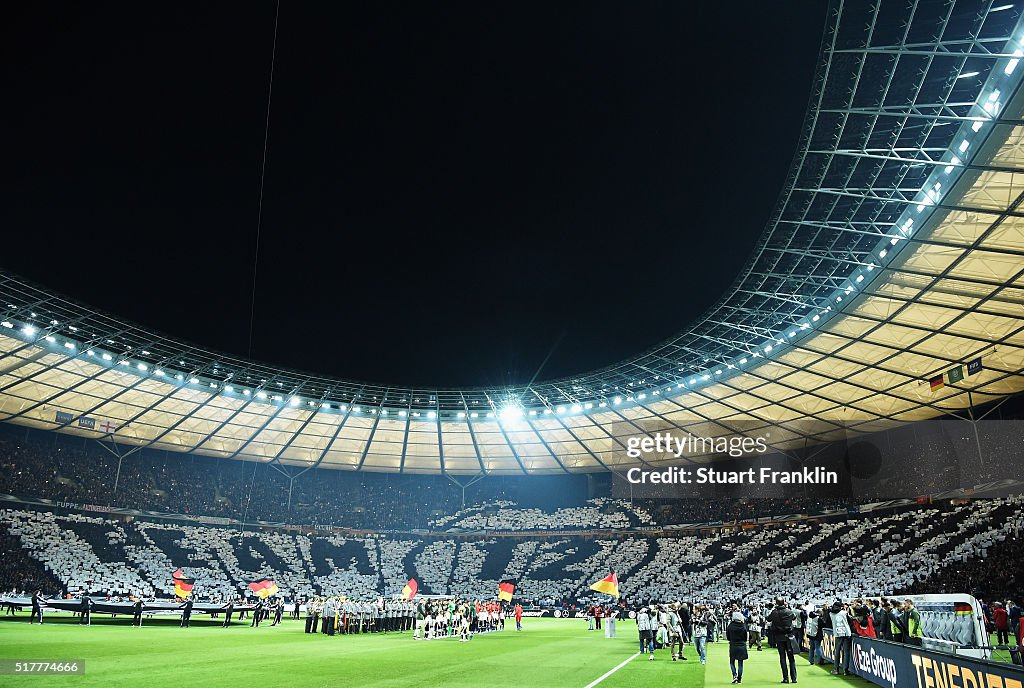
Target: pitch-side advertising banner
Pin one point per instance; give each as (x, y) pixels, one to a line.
(894, 665)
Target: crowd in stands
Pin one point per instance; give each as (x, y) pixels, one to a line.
(886, 552)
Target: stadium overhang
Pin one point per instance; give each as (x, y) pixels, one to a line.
(895, 257)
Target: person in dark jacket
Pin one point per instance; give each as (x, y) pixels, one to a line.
(781, 621)
(736, 634)
(186, 613)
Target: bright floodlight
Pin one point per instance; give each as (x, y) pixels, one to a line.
(510, 412)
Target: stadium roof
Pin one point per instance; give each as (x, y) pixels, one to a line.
(895, 254)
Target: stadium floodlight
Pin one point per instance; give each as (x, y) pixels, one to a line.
(718, 372)
(294, 401)
(547, 412)
(603, 404)
(964, 145)
(29, 330)
(69, 345)
(228, 389)
(325, 405)
(402, 413)
(193, 380)
(213, 385)
(967, 75)
(474, 414)
(179, 377)
(976, 126)
(1000, 8)
(50, 338)
(743, 361)
(490, 414)
(356, 409)
(8, 324)
(533, 412)
(431, 414)
(510, 412)
(143, 367)
(277, 397)
(576, 408)
(860, 278)
(246, 392)
(261, 395)
(560, 409)
(460, 414)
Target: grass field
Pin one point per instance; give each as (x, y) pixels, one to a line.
(549, 652)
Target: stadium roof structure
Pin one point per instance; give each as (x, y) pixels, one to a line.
(895, 256)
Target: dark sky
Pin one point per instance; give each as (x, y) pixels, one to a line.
(451, 188)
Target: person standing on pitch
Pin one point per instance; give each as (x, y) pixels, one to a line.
(519, 616)
(645, 628)
(37, 607)
(137, 613)
(228, 611)
(781, 621)
(278, 612)
(86, 610)
(186, 613)
(843, 637)
(736, 634)
(675, 633)
(700, 632)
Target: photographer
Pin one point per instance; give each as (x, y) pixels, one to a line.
(813, 636)
(840, 616)
(754, 624)
(782, 621)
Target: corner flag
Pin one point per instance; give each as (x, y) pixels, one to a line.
(609, 585)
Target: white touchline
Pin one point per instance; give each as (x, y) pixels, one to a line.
(609, 673)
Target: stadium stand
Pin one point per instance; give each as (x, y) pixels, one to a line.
(910, 548)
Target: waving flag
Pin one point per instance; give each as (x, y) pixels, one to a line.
(608, 585)
(178, 574)
(183, 587)
(505, 590)
(409, 591)
(264, 588)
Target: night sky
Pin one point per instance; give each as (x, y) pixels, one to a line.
(452, 189)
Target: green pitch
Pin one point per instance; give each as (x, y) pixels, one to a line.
(548, 653)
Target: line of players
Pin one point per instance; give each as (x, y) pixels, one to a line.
(446, 618)
(340, 615)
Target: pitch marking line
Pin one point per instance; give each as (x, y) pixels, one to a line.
(612, 671)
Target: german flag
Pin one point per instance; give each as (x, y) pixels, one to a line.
(608, 585)
(962, 608)
(264, 588)
(409, 591)
(183, 587)
(178, 574)
(505, 590)
(937, 383)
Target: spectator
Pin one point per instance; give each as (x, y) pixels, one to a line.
(736, 634)
(782, 620)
